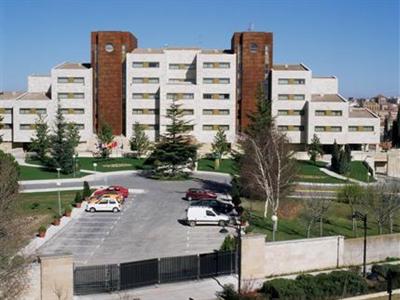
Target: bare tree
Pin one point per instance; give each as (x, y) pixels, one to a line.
(352, 194)
(316, 205)
(266, 166)
(12, 265)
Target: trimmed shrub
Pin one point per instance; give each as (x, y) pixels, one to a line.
(86, 190)
(341, 284)
(78, 198)
(229, 244)
(310, 287)
(283, 289)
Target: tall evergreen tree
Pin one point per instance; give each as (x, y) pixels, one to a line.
(176, 148)
(105, 137)
(73, 135)
(261, 118)
(315, 149)
(220, 147)
(335, 157)
(139, 141)
(61, 149)
(40, 144)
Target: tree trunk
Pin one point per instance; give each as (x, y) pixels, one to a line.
(309, 229)
(380, 227)
(321, 226)
(266, 208)
(216, 164)
(390, 223)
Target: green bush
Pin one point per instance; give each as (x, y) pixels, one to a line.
(341, 284)
(78, 198)
(86, 190)
(382, 271)
(42, 228)
(229, 243)
(229, 293)
(282, 288)
(310, 287)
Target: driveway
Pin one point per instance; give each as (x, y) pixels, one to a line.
(147, 227)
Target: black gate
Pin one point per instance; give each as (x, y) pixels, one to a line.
(96, 279)
(107, 278)
(140, 273)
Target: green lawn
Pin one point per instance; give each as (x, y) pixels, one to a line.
(309, 172)
(227, 166)
(359, 172)
(337, 222)
(32, 173)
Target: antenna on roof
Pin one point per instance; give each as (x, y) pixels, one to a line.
(251, 26)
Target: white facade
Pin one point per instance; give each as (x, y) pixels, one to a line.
(69, 85)
(304, 105)
(203, 81)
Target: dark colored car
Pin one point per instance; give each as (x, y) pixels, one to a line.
(113, 188)
(221, 207)
(197, 194)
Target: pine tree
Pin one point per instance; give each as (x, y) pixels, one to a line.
(335, 158)
(220, 147)
(86, 190)
(139, 141)
(61, 149)
(175, 150)
(73, 135)
(41, 142)
(315, 149)
(261, 118)
(105, 137)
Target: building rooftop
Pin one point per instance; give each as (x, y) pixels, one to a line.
(70, 65)
(327, 98)
(361, 113)
(34, 96)
(286, 67)
(162, 50)
(10, 95)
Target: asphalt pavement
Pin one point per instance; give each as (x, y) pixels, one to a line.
(149, 225)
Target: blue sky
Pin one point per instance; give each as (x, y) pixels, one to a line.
(356, 40)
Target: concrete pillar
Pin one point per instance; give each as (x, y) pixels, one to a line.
(253, 257)
(340, 251)
(56, 277)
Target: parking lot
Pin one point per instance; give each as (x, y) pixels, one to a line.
(147, 227)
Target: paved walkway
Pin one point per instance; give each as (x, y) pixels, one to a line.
(204, 289)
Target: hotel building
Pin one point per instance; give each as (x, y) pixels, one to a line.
(125, 84)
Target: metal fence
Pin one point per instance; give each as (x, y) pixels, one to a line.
(108, 278)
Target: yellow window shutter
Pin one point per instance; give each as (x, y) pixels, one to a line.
(216, 65)
(145, 80)
(70, 79)
(215, 80)
(32, 126)
(71, 111)
(2, 110)
(328, 128)
(291, 81)
(215, 96)
(145, 111)
(145, 96)
(181, 66)
(146, 64)
(179, 96)
(328, 112)
(360, 128)
(291, 97)
(290, 112)
(215, 112)
(32, 111)
(290, 128)
(70, 95)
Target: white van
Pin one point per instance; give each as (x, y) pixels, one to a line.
(205, 215)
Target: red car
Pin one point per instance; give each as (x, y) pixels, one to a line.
(198, 194)
(113, 188)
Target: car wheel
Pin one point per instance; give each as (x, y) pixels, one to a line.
(222, 223)
(192, 223)
(115, 210)
(92, 210)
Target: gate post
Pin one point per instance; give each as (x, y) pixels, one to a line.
(159, 270)
(56, 279)
(198, 266)
(252, 257)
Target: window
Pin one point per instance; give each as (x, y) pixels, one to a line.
(145, 80)
(216, 96)
(147, 126)
(331, 113)
(328, 128)
(216, 80)
(215, 127)
(210, 213)
(5, 111)
(299, 97)
(103, 202)
(72, 111)
(144, 96)
(253, 47)
(216, 65)
(144, 111)
(4, 126)
(187, 112)
(145, 64)
(180, 96)
(291, 97)
(32, 111)
(290, 112)
(71, 80)
(80, 126)
(27, 126)
(291, 128)
(361, 128)
(181, 66)
(291, 81)
(215, 111)
(71, 96)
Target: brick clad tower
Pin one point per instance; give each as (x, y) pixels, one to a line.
(254, 61)
(108, 53)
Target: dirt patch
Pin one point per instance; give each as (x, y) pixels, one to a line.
(290, 210)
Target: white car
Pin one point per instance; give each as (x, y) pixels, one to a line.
(205, 215)
(105, 204)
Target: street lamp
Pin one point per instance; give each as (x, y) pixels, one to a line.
(274, 219)
(59, 198)
(58, 172)
(364, 218)
(94, 166)
(238, 249)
